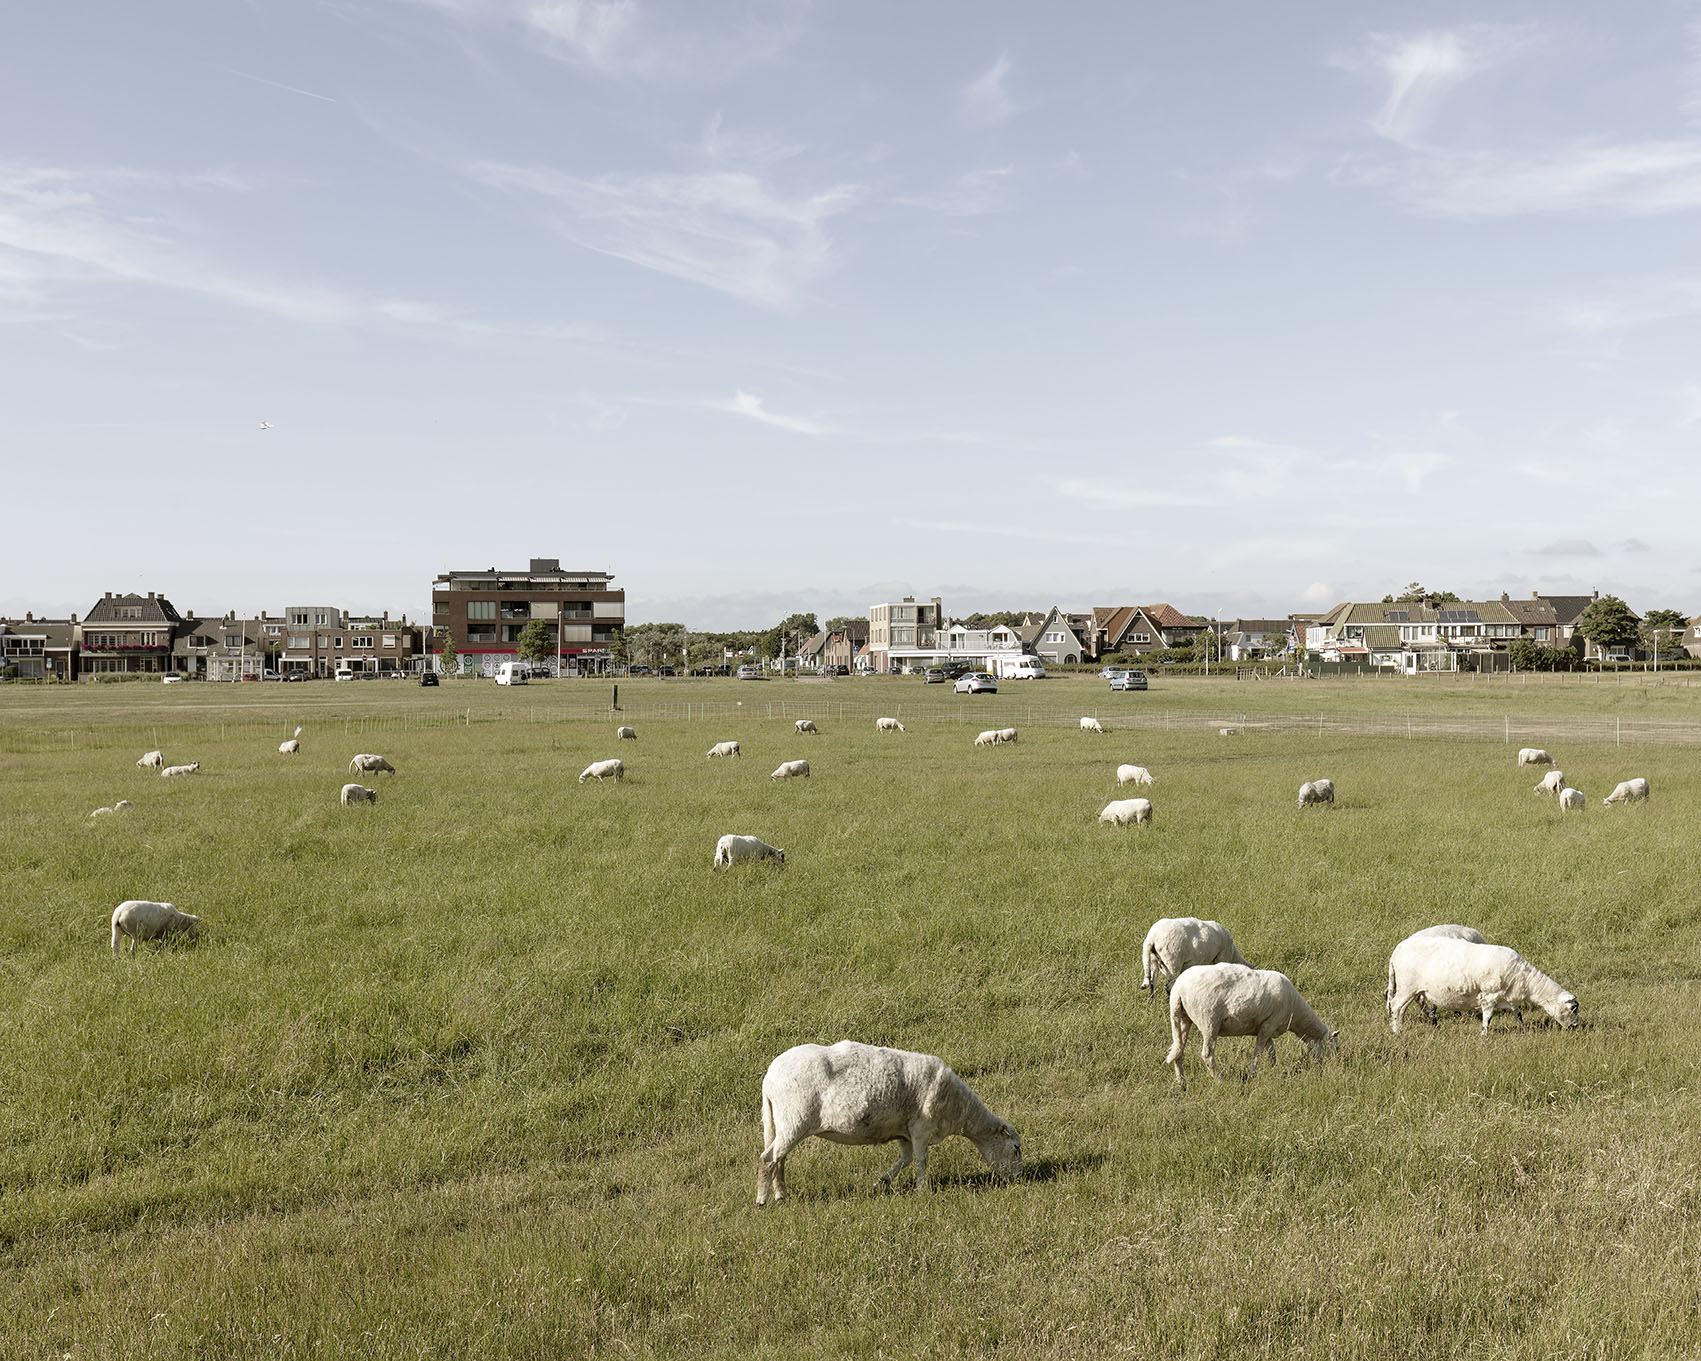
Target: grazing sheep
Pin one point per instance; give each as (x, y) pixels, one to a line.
(289, 748)
(887, 725)
(1175, 944)
(1552, 783)
(1628, 791)
(1134, 775)
(787, 770)
(1124, 811)
(1533, 756)
(601, 770)
(723, 749)
(807, 725)
(1317, 791)
(852, 1093)
(1572, 801)
(988, 738)
(1227, 732)
(367, 761)
(138, 919)
(103, 812)
(189, 769)
(1447, 932)
(358, 793)
(1091, 725)
(1006, 734)
(154, 759)
(1232, 999)
(1465, 975)
(625, 734)
(731, 849)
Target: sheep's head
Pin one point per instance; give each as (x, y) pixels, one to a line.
(193, 929)
(779, 855)
(1564, 1010)
(1329, 1044)
(1002, 1149)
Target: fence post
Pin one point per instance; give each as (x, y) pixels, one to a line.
(1617, 734)
(1508, 729)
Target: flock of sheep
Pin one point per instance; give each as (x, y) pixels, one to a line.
(853, 1093)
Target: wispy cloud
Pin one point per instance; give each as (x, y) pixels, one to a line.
(1120, 495)
(1261, 552)
(1568, 548)
(1417, 69)
(1254, 467)
(1632, 546)
(970, 194)
(589, 29)
(279, 85)
(986, 99)
(726, 230)
(1411, 469)
(1005, 531)
(749, 405)
(1585, 176)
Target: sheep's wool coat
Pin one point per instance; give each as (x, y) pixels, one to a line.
(1175, 944)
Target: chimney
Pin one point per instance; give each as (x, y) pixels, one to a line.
(1504, 596)
(1596, 595)
(109, 595)
(1535, 595)
(28, 617)
(73, 618)
(150, 595)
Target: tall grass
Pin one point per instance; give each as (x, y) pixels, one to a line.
(473, 1072)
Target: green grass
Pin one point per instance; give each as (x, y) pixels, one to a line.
(473, 1072)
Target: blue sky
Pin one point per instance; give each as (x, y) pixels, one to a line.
(783, 306)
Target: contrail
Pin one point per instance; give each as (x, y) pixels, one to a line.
(278, 85)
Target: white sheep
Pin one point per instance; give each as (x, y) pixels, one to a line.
(1176, 944)
(1133, 775)
(1124, 811)
(1448, 931)
(138, 919)
(1233, 999)
(807, 725)
(732, 849)
(1465, 975)
(851, 1093)
(1317, 791)
(1533, 756)
(887, 725)
(289, 748)
(723, 749)
(787, 770)
(1572, 801)
(603, 770)
(1006, 734)
(358, 793)
(152, 760)
(118, 807)
(988, 738)
(1552, 783)
(625, 734)
(1091, 725)
(1628, 791)
(189, 769)
(367, 761)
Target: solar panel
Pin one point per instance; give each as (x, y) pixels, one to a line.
(1459, 617)
(1399, 616)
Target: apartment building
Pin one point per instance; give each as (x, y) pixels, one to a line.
(38, 649)
(321, 640)
(903, 632)
(128, 634)
(485, 613)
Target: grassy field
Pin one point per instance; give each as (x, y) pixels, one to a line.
(474, 1072)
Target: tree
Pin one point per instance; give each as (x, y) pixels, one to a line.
(1415, 591)
(791, 631)
(450, 658)
(654, 644)
(1665, 629)
(1207, 646)
(839, 621)
(1609, 624)
(533, 644)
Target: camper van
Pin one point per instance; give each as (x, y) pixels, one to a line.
(1023, 667)
(511, 673)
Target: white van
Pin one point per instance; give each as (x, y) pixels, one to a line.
(1023, 667)
(511, 673)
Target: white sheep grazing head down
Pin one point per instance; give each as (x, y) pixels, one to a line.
(1002, 1150)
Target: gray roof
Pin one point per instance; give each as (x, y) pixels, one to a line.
(156, 609)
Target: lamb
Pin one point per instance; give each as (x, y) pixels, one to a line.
(731, 849)
(1133, 775)
(723, 749)
(1533, 756)
(358, 793)
(625, 734)
(787, 770)
(1317, 791)
(289, 748)
(368, 762)
(807, 725)
(1175, 944)
(1091, 725)
(152, 760)
(1628, 791)
(603, 770)
(852, 1093)
(189, 769)
(1232, 999)
(988, 738)
(1572, 801)
(1461, 975)
(1552, 783)
(138, 919)
(1124, 811)
(118, 807)
(888, 725)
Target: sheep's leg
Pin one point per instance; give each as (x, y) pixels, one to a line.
(1181, 1026)
(1259, 1045)
(1397, 1009)
(1487, 1015)
(764, 1176)
(885, 1182)
(920, 1147)
(1208, 1052)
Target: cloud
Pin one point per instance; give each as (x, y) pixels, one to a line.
(1318, 593)
(1568, 548)
(1633, 546)
(590, 30)
(748, 404)
(279, 85)
(1007, 531)
(1120, 496)
(1419, 68)
(1255, 467)
(970, 194)
(1411, 468)
(1262, 552)
(986, 100)
(1584, 176)
(725, 230)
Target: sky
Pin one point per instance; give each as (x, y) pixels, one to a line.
(779, 306)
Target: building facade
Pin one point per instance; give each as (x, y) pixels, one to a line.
(485, 613)
(128, 635)
(902, 629)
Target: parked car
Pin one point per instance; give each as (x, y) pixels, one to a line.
(345, 675)
(428, 678)
(169, 679)
(750, 673)
(976, 683)
(1616, 657)
(297, 676)
(1129, 680)
(934, 675)
(841, 670)
(666, 671)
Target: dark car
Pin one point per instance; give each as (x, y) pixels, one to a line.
(428, 678)
(665, 671)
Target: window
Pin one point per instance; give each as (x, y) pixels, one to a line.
(361, 640)
(389, 640)
(481, 609)
(1054, 637)
(321, 618)
(233, 641)
(1139, 637)
(481, 635)
(440, 606)
(1543, 634)
(127, 612)
(300, 640)
(337, 641)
